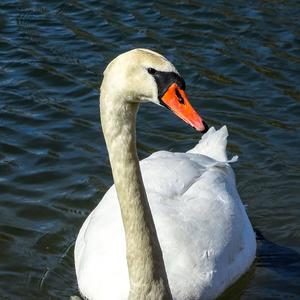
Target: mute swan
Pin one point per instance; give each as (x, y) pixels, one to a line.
(202, 240)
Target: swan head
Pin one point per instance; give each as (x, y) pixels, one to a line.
(142, 75)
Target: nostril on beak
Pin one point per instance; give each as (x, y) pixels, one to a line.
(180, 99)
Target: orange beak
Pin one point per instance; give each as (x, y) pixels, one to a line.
(176, 100)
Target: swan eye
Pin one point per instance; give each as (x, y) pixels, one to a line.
(151, 71)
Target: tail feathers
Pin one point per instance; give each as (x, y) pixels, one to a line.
(213, 144)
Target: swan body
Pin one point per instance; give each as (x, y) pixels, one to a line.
(205, 236)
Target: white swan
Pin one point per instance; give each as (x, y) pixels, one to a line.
(202, 240)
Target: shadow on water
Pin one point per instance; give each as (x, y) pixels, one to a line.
(281, 259)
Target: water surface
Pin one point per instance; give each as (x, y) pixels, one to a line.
(241, 64)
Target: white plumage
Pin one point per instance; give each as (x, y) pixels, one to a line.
(204, 232)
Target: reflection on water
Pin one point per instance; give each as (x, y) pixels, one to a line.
(241, 64)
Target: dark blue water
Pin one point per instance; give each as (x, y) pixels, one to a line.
(240, 60)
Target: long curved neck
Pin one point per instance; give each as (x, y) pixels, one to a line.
(147, 274)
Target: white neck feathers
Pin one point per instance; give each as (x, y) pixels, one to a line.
(147, 275)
